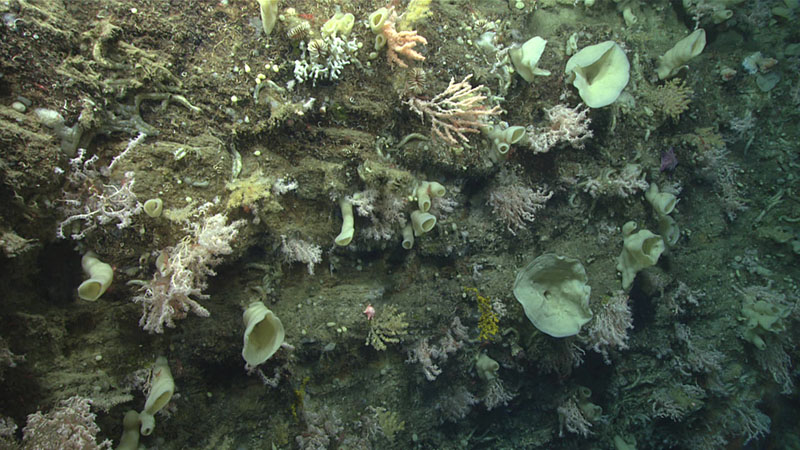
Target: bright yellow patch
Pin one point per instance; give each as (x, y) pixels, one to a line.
(487, 323)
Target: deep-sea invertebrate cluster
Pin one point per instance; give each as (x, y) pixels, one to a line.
(354, 145)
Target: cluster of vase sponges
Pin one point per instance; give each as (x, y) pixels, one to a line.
(554, 290)
(422, 221)
(601, 71)
(134, 424)
(263, 336)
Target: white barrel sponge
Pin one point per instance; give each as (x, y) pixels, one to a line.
(422, 222)
(263, 334)
(162, 387)
(100, 277)
(130, 432)
(269, 14)
(554, 293)
(348, 223)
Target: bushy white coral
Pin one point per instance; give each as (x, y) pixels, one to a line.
(424, 353)
(496, 394)
(324, 59)
(93, 203)
(610, 326)
(569, 125)
(298, 250)
(182, 273)
(616, 182)
(572, 418)
(386, 212)
(70, 426)
(514, 203)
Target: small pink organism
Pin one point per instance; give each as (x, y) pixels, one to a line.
(369, 311)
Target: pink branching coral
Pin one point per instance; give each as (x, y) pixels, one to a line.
(455, 111)
(182, 273)
(570, 125)
(70, 427)
(516, 204)
(401, 43)
(610, 326)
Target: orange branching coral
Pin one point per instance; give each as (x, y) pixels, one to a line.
(401, 43)
(455, 111)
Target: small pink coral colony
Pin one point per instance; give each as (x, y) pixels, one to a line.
(369, 311)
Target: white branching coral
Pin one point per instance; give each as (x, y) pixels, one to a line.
(572, 418)
(90, 202)
(298, 250)
(515, 204)
(725, 172)
(385, 210)
(496, 394)
(455, 111)
(182, 273)
(677, 401)
(7, 359)
(568, 125)
(324, 59)
(616, 182)
(610, 326)
(70, 426)
(455, 403)
(425, 353)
